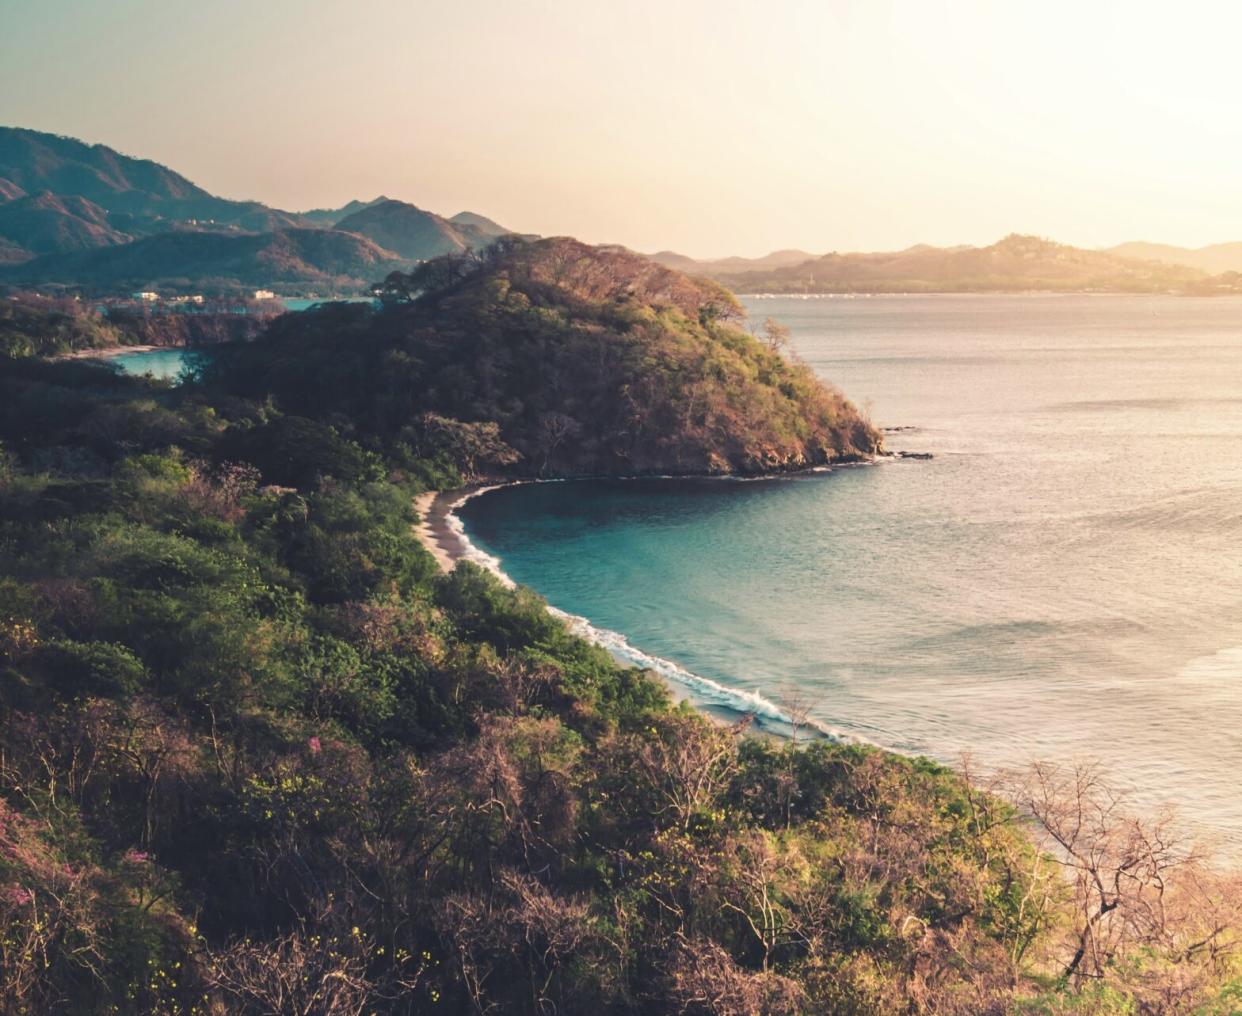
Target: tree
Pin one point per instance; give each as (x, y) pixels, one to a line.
(467, 445)
(554, 428)
(1145, 909)
(775, 335)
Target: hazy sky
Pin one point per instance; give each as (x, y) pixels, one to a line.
(706, 126)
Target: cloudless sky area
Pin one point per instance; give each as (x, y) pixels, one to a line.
(706, 126)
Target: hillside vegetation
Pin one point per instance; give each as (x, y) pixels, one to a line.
(32, 325)
(258, 756)
(588, 360)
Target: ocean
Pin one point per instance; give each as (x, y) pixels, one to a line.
(1063, 580)
(162, 364)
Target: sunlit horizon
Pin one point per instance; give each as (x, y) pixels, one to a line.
(705, 128)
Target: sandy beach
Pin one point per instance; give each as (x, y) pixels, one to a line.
(432, 528)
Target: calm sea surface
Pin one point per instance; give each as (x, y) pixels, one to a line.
(1062, 580)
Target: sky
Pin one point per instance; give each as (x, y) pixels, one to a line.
(710, 127)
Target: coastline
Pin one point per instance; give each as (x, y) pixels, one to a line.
(433, 530)
(442, 534)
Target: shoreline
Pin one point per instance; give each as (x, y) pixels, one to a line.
(433, 530)
(447, 543)
(443, 536)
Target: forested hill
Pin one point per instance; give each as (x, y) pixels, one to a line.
(589, 360)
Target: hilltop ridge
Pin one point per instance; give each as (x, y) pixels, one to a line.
(586, 360)
(87, 217)
(411, 232)
(1017, 262)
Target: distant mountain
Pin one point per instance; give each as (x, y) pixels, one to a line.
(79, 214)
(138, 193)
(679, 262)
(328, 217)
(324, 259)
(481, 224)
(49, 224)
(1016, 263)
(718, 266)
(1213, 259)
(412, 232)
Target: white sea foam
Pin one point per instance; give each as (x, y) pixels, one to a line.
(469, 551)
(1221, 669)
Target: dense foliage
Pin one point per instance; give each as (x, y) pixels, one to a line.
(588, 359)
(258, 755)
(32, 325)
(35, 325)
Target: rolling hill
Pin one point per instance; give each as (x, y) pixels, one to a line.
(1214, 259)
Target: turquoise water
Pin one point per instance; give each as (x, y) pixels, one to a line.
(1063, 579)
(164, 364)
(297, 303)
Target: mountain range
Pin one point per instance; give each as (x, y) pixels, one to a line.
(87, 216)
(1015, 263)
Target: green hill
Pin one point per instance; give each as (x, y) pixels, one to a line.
(590, 360)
